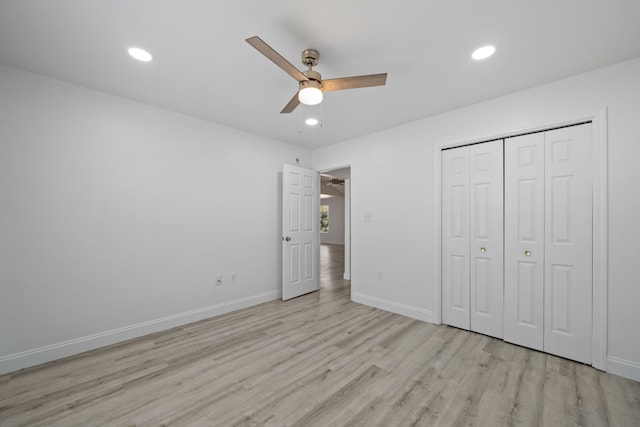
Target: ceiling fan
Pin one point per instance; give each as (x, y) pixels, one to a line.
(311, 85)
(330, 180)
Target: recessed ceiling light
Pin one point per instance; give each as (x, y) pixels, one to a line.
(483, 52)
(311, 122)
(140, 54)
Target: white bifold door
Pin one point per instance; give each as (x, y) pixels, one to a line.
(518, 264)
(548, 242)
(472, 237)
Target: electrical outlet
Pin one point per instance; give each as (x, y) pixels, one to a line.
(218, 280)
(233, 277)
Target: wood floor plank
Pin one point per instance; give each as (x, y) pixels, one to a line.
(319, 359)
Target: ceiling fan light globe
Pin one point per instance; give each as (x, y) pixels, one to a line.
(310, 96)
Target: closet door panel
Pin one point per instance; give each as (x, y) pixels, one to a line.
(524, 240)
(568, 243)
(455, 237)
(486, 238)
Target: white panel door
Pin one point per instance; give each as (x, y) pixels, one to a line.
(455, 237)
(300, 226)
(568, 243)
(486, 238)
(524, 240)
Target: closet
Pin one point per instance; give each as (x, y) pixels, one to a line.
(517, 240)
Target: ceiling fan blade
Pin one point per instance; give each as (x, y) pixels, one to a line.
(291, 105)
(277, 59)
(342, 83)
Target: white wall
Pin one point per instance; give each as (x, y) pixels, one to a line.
(403, 218)
(335, 236)
(115, 218)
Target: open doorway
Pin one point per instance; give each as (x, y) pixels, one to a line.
(335, 230)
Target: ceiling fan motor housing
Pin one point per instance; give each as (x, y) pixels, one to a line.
(310, 83)
(312, 75)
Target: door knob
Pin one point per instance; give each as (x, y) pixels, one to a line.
(527, 253)
(288, 239)
(483, 249)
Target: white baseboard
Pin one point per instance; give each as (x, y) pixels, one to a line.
(36, 356)
(395, 307)
(624, 368)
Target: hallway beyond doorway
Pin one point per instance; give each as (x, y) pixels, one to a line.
(332, 269)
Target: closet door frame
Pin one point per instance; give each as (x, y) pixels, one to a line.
(599, 143)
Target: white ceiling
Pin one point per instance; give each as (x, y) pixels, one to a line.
(203, 67)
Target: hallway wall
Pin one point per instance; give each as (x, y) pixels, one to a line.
(336, 221)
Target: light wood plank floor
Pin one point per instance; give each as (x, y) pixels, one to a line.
(318, 360)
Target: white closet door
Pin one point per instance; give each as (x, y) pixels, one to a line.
(524, 240)
(568, 243)
(455, 237)
(486, 238)
(472, 238)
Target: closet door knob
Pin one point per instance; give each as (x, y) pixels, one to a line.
(527, 253)
(483, 249)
